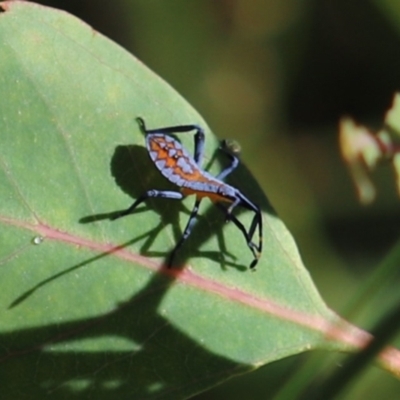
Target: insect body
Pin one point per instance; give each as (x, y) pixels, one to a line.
(180, 168)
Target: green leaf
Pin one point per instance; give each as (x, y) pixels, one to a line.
(86, 307)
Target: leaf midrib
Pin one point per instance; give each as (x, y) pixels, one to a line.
(335, 329)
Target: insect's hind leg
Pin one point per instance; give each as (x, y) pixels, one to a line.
(198, 137)
(255, 249)
(166, 194)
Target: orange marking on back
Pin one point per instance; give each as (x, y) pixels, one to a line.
(195, 176)
(161, 147)
(170, 163)
(162, 153)
(212, 196)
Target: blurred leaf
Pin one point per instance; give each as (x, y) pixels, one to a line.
(360, 150)
(86, 309)
(363, 150)
(392, 117)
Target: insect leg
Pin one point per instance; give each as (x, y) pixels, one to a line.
(198, 137)
(166, 194)
(186, 232)
(257, 221)
(241, 227)
(230, 168)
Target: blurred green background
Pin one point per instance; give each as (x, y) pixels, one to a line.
(277, 75)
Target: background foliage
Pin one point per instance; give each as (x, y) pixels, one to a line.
(277, 75)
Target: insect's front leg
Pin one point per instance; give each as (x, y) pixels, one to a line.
(166, 194)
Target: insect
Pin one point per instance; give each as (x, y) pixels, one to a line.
(183, 170)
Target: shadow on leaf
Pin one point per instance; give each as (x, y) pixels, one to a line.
(144, 372)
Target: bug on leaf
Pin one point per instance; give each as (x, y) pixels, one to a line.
(183, 170)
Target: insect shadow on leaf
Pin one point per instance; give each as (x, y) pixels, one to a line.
(127, 166)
